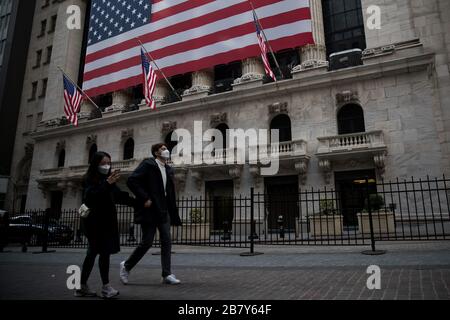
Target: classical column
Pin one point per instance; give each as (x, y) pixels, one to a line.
(86, 110)
(314, 55)
(252, 73)
(202, 83)
(120, 99)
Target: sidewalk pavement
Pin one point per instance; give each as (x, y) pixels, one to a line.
(409, 270)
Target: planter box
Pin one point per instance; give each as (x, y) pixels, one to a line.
(195, 231)
(383, 222)
(325, 225)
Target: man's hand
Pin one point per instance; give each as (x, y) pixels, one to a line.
(148, 203)
(113, 177)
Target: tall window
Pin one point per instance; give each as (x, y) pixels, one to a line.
(344, 25)
(286, 59)
(223, 129)
(92, 151)
(282, 122)
(61, 158)
(180, 83)
(49, 54)
(44, 88)
(128, 149)
(43, 27)
(350, 119)
(52, 24)
(225, 74)
(38, 59)
(33, 91)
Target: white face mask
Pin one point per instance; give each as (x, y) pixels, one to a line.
(104, 169)
(165, 154)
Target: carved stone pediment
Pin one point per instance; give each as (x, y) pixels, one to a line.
(218, 118)
(278, 107)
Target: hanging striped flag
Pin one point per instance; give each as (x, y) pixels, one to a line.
(149, 80)
(183, 36)
(72, 101)
(263, 47)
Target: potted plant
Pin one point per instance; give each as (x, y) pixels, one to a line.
(382, 218)
(196, 228)
(327, 222)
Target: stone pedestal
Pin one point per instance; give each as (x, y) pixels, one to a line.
(252, 74)
(202, 84)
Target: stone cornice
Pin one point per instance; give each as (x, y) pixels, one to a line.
(265, 92)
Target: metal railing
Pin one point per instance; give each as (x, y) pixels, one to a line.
(413, 209)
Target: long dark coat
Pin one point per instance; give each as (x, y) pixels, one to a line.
(146, 183)
(101, 226)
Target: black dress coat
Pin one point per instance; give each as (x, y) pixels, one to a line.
(101, 225)
(146, 183)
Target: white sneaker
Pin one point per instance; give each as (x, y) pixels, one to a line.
(123, 273)
(170, 279)
(84, 291)
(109, 292)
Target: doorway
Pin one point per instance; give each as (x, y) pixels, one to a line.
(281, 202)
(220, 196)
(351, 194)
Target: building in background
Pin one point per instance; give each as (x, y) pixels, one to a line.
(358, 103)
(16, 17)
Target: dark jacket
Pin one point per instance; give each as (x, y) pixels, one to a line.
(101, 226)
(146, 183)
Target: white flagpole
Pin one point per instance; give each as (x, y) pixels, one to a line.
(267, 41)
(79, 88)
(152, 60)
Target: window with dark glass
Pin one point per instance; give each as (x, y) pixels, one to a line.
(53, 24)
(225, 74)
(38, 59)
(350, 119)
(44, 88)
(103, 101)
(282, 122)
(180, 83)
(344, 25)
(33, 90)
(43, 27)
(61, 158)
(137, 95)
(49, 54)
(287, 59)
(128, 149)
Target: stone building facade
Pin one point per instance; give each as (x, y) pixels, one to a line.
(386, 118)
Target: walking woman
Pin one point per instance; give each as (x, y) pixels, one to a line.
(100, 226)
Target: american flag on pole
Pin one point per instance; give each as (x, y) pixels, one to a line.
(149, 80)
(263, 47)
(183, 36)
(72, 101)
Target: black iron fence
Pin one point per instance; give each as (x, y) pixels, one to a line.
(359, 214)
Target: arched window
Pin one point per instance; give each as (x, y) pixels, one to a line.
(350, 119)
(282, 122)
(128, 149)
(223, 129)
(92, 151)
(61, 158)
(168, 141)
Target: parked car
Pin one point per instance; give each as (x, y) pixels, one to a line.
(25, 228)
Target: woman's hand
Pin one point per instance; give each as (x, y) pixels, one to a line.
(113, 177)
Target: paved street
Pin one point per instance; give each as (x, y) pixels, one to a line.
(419, 270)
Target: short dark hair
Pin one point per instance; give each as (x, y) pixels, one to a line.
(156, 147)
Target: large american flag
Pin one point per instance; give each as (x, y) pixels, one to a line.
(263, 47)
(149, 80)
(183, 36)
(72, 101)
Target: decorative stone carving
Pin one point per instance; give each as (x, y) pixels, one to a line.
(202, 81)
(255, 172)
(127, 133)
(252, 70)
(29, 148)
(198, 178)
(325, 166)
(379, 161)
(235, 173)
(60, 145)
(278, 107)
(302, 167)
(91, 139)
(180, 178)
(346, 97)
(168, 126)
(218, 118)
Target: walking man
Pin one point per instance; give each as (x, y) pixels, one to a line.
(153, 185)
